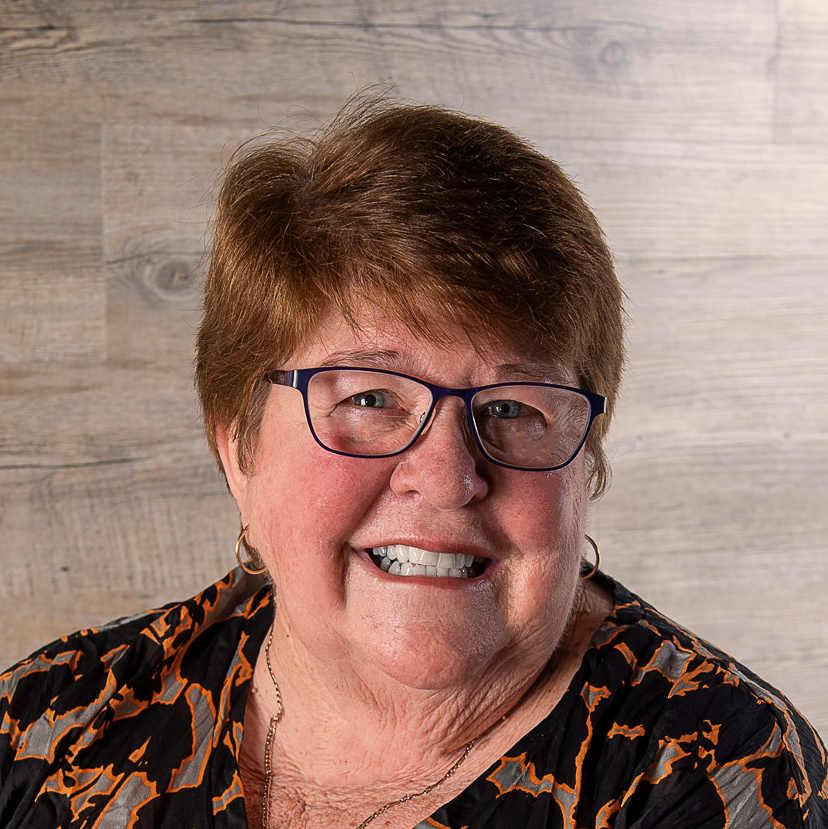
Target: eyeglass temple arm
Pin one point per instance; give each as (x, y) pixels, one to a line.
(284, 378)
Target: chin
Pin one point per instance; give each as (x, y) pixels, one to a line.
(427, 659)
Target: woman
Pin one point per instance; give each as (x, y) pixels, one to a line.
(410, 352)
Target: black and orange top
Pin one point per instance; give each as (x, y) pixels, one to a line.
(139, 724)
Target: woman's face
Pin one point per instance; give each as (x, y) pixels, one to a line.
(314, 516)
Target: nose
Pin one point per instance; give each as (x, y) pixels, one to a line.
(444, 467)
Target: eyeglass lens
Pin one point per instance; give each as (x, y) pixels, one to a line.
(370, 413)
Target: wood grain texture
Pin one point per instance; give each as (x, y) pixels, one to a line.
(659, 199)
(800, 112)
(697, 131)
(688, 72)
(50, 241)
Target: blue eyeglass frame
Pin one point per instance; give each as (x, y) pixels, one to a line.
(299, 379)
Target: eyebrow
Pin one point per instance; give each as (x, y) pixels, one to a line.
(382, 359)
(389, 360)
(532, 372)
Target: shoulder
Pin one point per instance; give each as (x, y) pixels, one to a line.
(670, 702)
(126, 647)
(637, 647)
(137, 690)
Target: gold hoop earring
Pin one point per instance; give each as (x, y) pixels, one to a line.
(245, 565)
(588, 575)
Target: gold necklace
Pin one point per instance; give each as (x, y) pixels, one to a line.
(268, 758)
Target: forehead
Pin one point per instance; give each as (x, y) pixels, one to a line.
(374, 339)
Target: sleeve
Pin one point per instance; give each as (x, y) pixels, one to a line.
(52, 706)
(754, 764)
(30, 728)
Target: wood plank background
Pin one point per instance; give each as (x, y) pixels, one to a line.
(698, 133)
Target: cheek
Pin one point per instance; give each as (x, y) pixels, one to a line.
(304, 498)
(549, 511)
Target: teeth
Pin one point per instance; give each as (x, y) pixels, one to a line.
(403, 553)
(403, 560)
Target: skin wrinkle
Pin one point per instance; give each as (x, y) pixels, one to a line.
(384, 359)
(378, 666)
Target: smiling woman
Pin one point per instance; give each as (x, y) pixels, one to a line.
(410, 353)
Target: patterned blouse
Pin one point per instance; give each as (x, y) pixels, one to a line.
(139, 724)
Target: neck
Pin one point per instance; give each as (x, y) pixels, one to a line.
(340, 724)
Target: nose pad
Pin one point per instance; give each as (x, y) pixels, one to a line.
(424, 429)
(465, 426)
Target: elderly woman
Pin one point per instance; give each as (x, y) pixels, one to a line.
(410, 352)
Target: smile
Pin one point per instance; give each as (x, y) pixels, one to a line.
(403, 560)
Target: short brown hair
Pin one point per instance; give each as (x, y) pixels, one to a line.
(414, 208)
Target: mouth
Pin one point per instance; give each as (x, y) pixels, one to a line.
(404, 560)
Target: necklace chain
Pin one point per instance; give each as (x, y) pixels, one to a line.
(268, 758)
(271, 731)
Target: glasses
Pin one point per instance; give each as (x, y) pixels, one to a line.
(364, 413)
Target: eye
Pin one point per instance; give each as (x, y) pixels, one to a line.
(506, 409)
(373, 399)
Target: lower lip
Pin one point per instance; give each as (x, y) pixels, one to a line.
(444, 582)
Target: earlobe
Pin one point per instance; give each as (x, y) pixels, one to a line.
(227, 446)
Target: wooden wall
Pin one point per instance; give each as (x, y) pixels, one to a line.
(696, 130)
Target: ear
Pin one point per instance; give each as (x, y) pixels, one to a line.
(228, 450)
